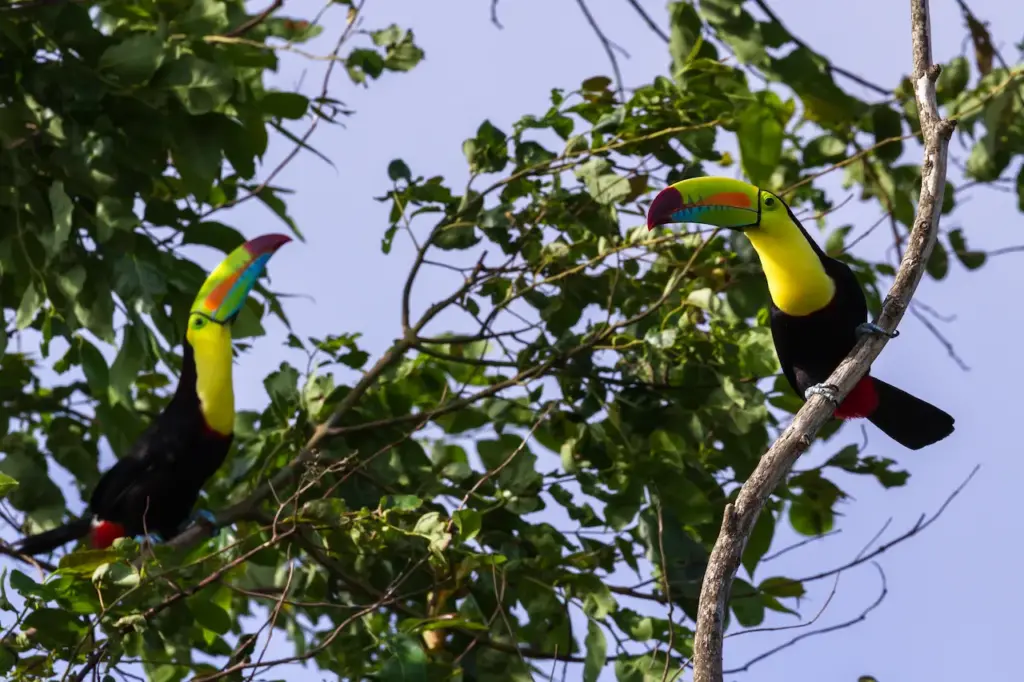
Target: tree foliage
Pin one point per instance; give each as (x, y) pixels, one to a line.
(622, 377)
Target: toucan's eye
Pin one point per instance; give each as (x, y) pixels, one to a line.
(198, 322)
(769, 201)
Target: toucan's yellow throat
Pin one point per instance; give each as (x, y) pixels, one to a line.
(792, 262)
(209, 326)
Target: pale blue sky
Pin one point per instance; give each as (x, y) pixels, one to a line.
(954, 588)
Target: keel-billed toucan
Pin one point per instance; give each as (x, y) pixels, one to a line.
(817, 306)
(153, 488)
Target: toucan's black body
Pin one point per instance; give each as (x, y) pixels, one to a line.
(152, 489)
(810, 347)
(818, 308)
(155, 486)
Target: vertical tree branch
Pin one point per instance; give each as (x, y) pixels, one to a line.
(740, 516)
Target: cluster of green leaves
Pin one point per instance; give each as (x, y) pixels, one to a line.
(617, 378)
(125, 126)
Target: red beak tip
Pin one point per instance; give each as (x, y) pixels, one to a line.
(667, 202)
(267, 243)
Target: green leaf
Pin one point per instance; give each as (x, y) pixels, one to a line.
(282, 385)
(407, 662)
(113, 215)
(289, 105)
(661, 338)
(210, 615)
(810, 519)
(201, 86)
(117, 574)
(7, 485)
(469, 522)
(760, 540)
(835, 244)
(760, 138)
(782, 587)
(596, 84)
(136, 277)
(1020, 190)
(94, 366)
(130, 360)
(272, 201)
(406, 502)
(824, 150)
(86, 561)
(218, 235)
(61, 208)
(203, 18)
(197, 154)
(598, 601)
(362, 62)
(972, 260)
(952, 79)
(938, 262)
(400, 50)
(610, 122)
(55, 627)
(609, 189)
(488, 151)
(887, 124)
(134, 60)
(685, 38)
(29, 307)
(398, 170)
(746, 604)
(597, 650)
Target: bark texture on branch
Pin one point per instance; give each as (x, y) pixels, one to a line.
(740, 516)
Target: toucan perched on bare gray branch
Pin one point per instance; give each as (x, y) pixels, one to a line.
(817, 310)
(153, 488)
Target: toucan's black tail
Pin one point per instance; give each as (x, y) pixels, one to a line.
(909, 421)
(44, 543)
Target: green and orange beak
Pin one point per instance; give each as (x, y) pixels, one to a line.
(722, 202)
(224, 292)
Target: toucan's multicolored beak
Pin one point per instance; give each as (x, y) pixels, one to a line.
(224, 292)
(722, 202)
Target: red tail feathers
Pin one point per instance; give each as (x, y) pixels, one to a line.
(861, 402)
(104, 533)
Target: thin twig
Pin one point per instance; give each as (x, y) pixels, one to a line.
(832, 628)
(254, 21)
(648, 20)
(841, 71)
(922, 523)
(608, 46)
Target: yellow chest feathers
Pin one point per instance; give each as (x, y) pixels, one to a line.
(796, 277)
(211, 346)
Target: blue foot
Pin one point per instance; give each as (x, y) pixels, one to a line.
(151, 539)
(872, 328)
(206, 518)
(826, 391)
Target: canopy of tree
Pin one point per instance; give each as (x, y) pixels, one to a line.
(388, 528)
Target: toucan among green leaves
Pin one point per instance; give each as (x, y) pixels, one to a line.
(152, 489)
(818, 308)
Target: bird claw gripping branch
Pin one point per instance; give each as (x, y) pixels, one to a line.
(866, 328)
